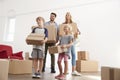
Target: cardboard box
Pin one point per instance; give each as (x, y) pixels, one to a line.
(105, 73)
(20, 67)
(35, 39)
(74, 29)
(56, 49)
(83, 55)
(110, 73)
(4, 66)
(26, 55)
(116, 74)
(52, 33)
(86, 66)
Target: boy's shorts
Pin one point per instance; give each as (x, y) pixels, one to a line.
(61, 56)
(37, 54)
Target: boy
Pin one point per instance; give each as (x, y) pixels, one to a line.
(38, 50)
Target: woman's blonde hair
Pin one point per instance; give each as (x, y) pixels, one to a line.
(66, 20)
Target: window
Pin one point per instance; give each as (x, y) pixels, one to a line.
(10, 30)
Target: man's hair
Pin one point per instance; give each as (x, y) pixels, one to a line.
(54, 14)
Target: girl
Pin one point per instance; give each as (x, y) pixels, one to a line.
(65, 41)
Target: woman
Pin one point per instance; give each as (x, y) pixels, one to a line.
(68, 20)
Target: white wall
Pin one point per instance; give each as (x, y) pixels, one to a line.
(100, 27)
(98, 20)
(0, 17)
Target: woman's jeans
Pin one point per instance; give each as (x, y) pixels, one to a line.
(73, 55)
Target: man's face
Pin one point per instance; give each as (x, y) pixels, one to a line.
(52, 17)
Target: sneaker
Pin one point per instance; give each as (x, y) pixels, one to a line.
(53, 71)
(36, 75)
(60, 77)
(56, 77)
(75, 73)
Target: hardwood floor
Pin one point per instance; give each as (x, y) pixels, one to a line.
(48, 76)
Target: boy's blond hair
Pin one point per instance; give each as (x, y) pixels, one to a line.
(38, 18)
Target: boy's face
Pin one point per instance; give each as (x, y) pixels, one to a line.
(40, 22)
(52, 17)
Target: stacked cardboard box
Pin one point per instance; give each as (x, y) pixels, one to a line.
(86, 66)
(56, 49)
(83, 55)
(83, 64)
(74, 29)
(26, 55)
(20, 67)
(52, 33)
(4, 66)
(35, 39)
(110, 73)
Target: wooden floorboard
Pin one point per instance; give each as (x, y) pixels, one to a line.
(48, 76)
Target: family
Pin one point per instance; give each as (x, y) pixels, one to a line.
(39, 52)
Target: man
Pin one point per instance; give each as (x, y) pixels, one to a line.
(51, 22)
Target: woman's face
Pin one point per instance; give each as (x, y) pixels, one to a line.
(68, 16)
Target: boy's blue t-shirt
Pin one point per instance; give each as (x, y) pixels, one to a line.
(40, 31)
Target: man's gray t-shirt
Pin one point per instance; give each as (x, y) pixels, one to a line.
(66, 40)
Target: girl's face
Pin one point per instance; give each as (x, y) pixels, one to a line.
(40, 22)
(66, 29)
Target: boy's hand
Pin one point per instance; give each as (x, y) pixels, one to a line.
(43, 41)
(57, 43)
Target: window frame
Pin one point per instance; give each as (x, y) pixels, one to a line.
(10, 29)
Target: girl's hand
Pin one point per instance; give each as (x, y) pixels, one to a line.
(63, 46)
(57, 43)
